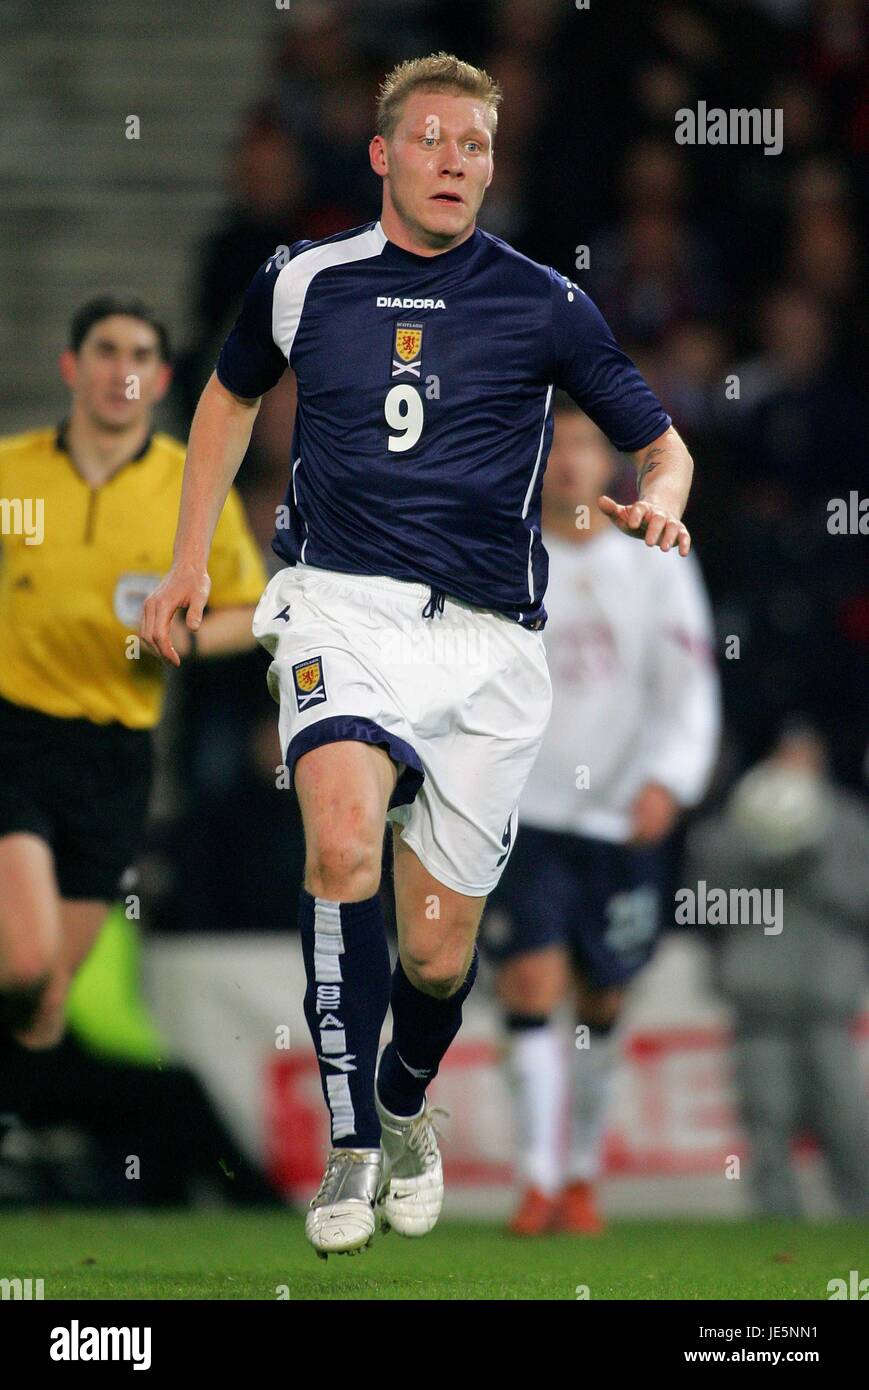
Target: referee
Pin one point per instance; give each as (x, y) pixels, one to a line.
(87, 519)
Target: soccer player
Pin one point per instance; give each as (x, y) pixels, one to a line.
(631, 742)
(87, 514)
(406, 629)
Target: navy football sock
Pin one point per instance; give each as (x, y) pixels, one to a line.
(347, 965)
(525, 1023)
(422, 1029)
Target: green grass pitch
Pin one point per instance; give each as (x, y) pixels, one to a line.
(236, 1255)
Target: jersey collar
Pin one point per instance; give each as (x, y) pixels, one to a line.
(396, 255)
(60, 442)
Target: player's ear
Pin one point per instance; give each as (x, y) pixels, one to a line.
(162, 382)
(378, 156)
(67, 365)
(491, 170)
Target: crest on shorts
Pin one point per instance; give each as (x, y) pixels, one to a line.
(308, 683)
(407, 349)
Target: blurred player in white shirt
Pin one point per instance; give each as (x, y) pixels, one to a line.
(631, 742)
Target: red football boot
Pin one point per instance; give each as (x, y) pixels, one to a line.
(534, 1215)
(577, 1212)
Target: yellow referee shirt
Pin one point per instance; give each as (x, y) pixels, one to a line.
(76, 564)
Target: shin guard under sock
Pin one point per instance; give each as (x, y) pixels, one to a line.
(347, 965)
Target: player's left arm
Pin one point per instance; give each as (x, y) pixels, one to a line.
(588, 363)
(664, 472)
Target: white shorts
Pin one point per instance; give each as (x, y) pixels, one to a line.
(459, 700)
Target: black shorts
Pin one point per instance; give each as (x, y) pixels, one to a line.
(81, 787)
(600, 901)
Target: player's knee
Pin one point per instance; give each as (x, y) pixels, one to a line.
(439, 976)
(343, 866)
(602, 1009)
(525, 985)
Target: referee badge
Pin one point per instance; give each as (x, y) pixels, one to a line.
(407, 349)
(308, 683)
(128, 600)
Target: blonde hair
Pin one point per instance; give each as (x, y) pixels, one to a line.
(440, 72)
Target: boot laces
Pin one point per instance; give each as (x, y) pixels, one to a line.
(338, 1159)
(424, 1134)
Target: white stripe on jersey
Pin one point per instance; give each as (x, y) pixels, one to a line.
(295, 278)
(292, 286)
(296, 501)
(530, 492)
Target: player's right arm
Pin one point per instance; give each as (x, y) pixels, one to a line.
(250, 364)
(219, 439)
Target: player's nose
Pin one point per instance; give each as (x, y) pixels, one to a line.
(451, 160)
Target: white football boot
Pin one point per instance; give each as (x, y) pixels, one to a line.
(340, 1219)
(411, 1190)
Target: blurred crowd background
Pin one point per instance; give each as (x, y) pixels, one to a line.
(735, 279)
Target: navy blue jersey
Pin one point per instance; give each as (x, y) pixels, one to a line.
(424, 414)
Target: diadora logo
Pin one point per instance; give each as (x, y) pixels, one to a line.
(385, 301)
